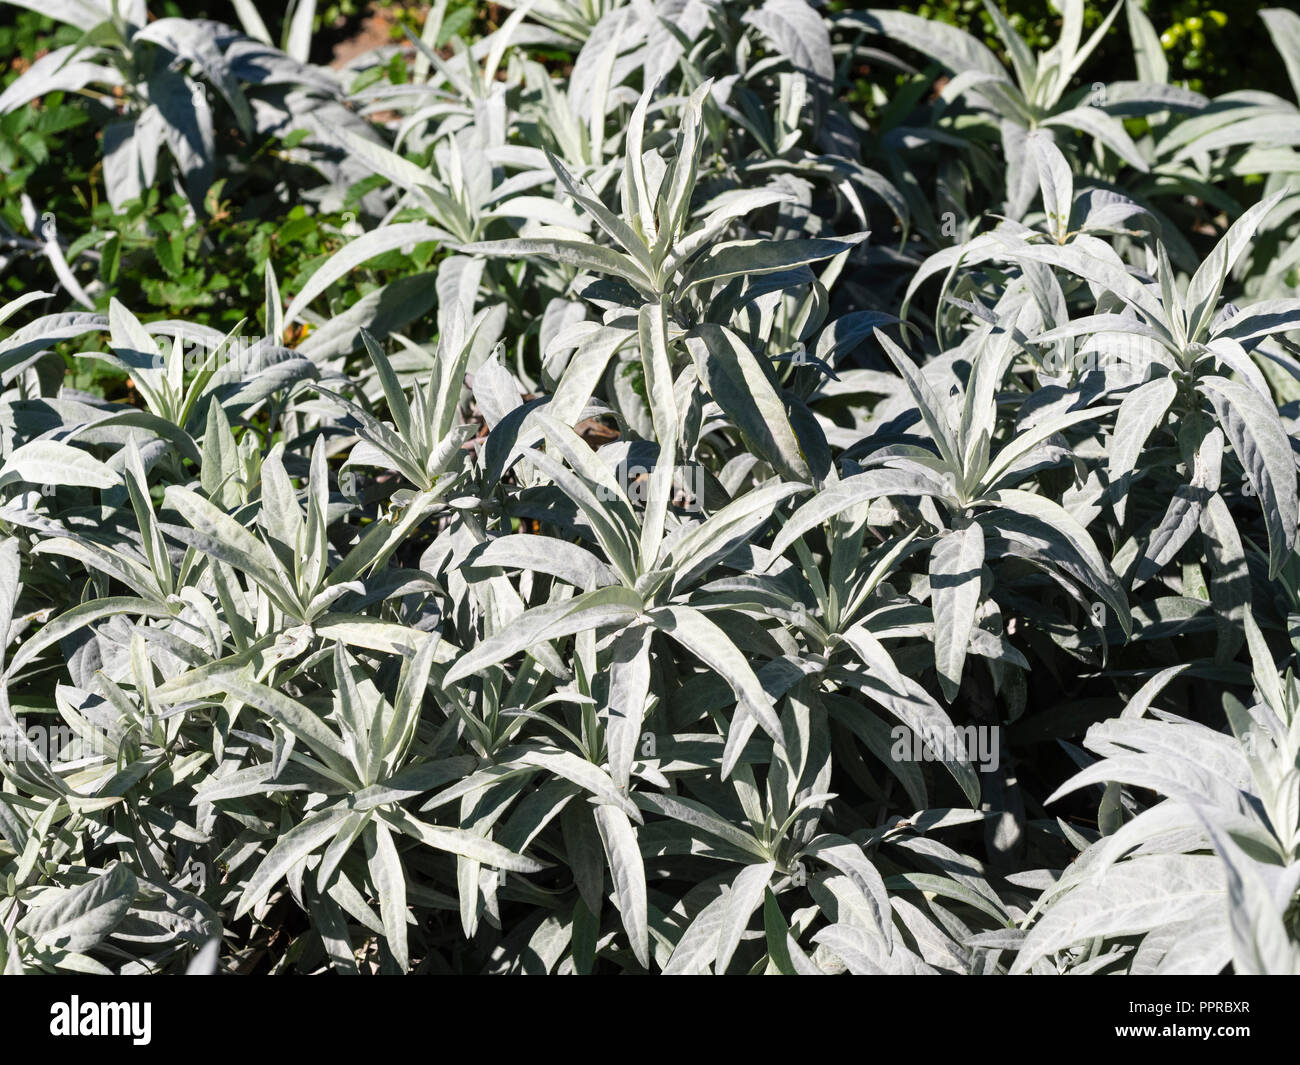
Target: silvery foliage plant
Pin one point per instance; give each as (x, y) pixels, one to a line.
(808, 545)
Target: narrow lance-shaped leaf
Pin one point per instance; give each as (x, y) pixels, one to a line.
(956, 563)
(604, 606)
(745, 897)
(628, 871)
(629, 687)
(737, 382)
(1252, 425)
(1141, 411)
